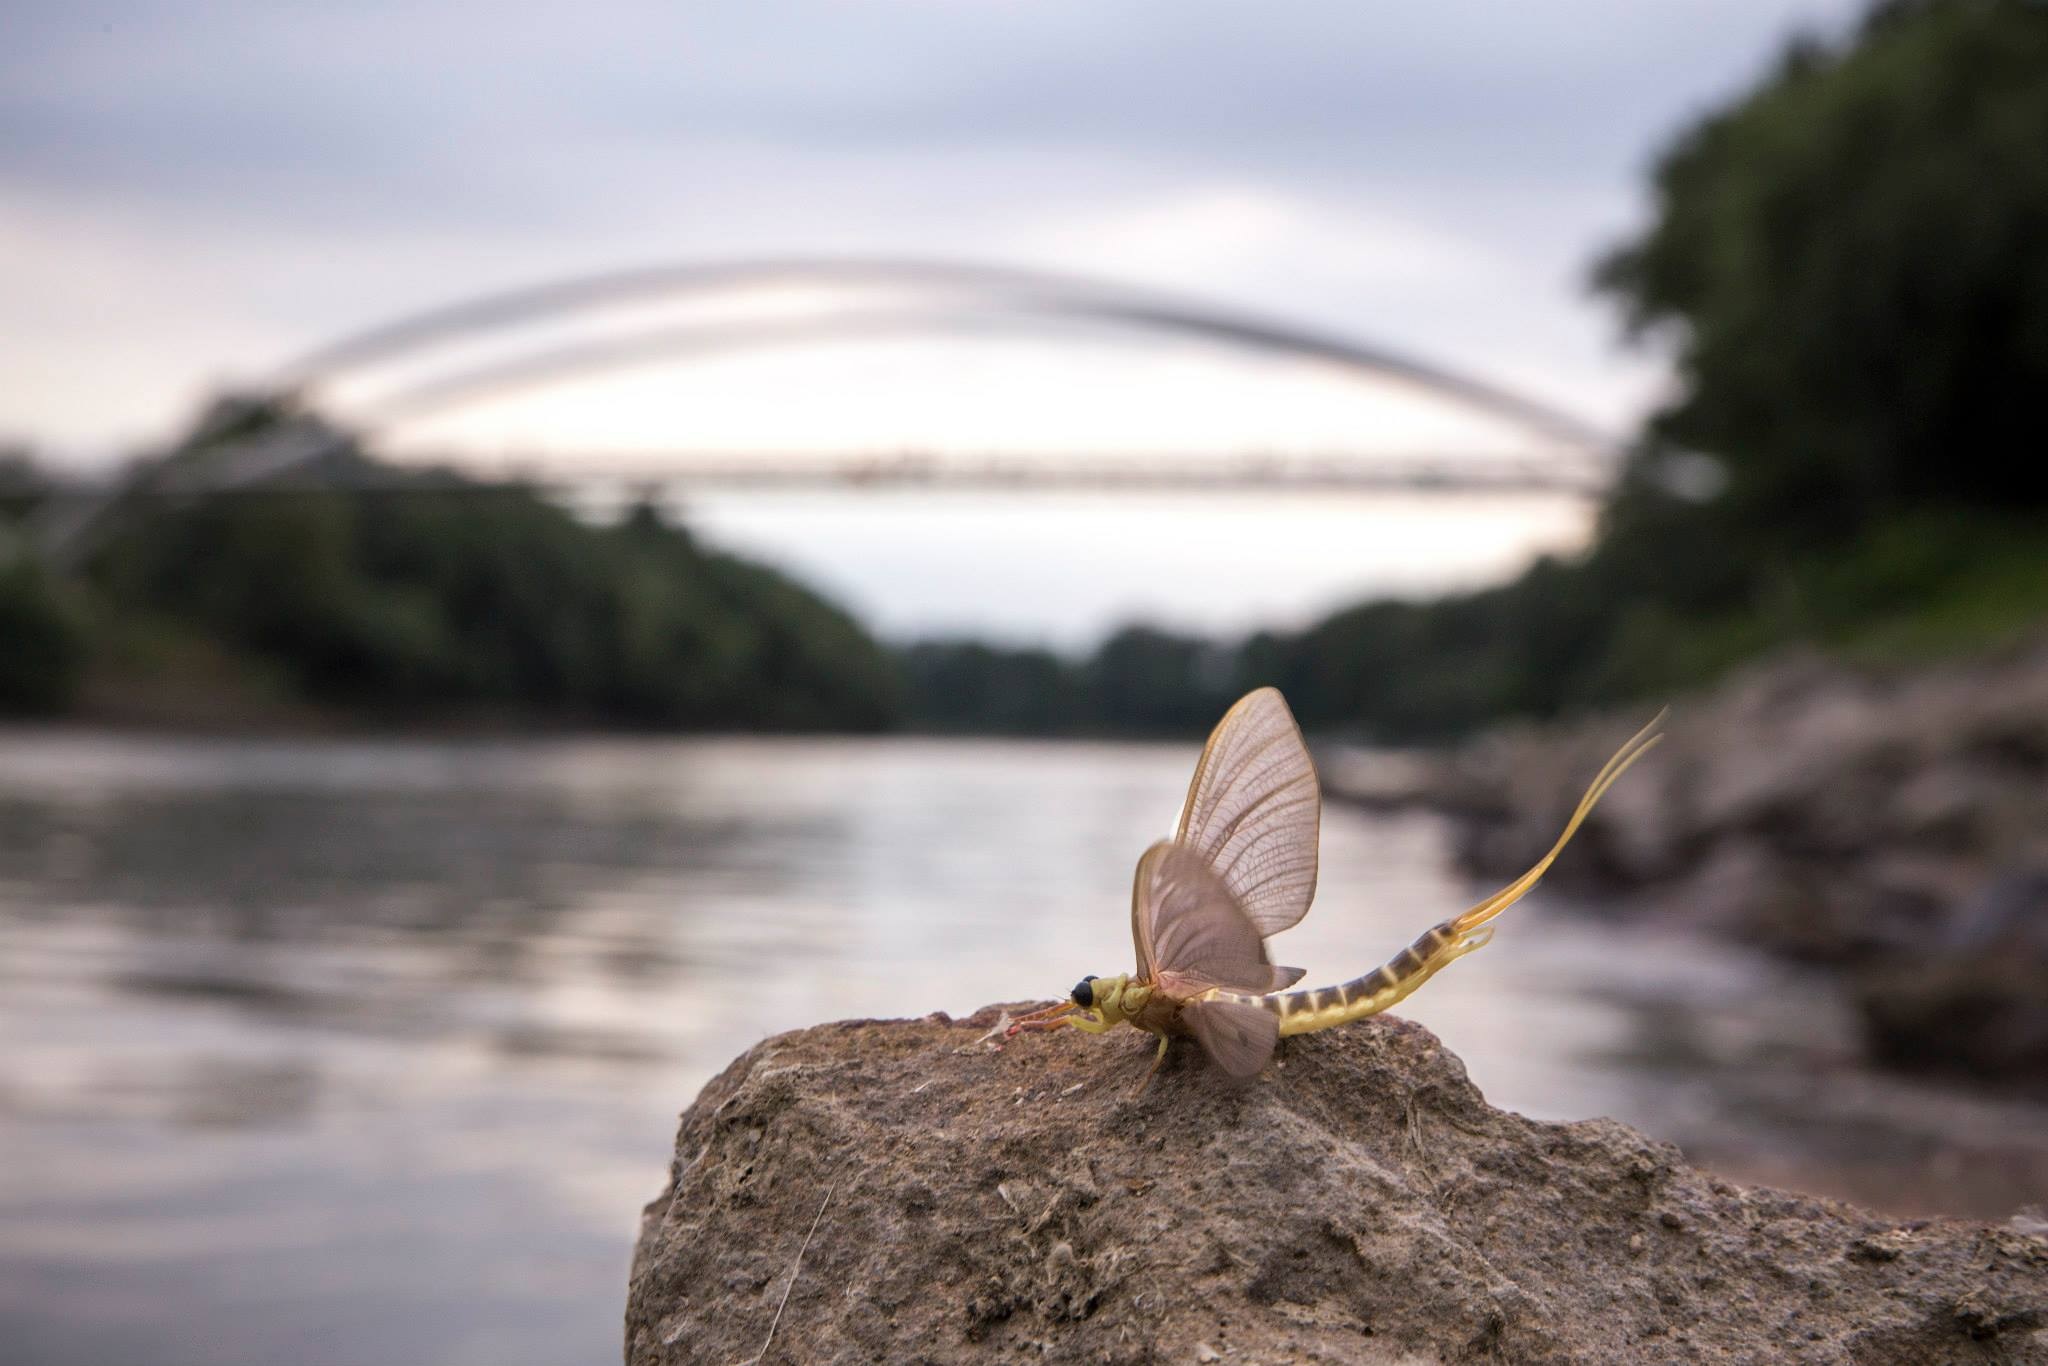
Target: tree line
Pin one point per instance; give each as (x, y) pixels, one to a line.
(423, 596)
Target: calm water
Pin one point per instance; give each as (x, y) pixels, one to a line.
(347, 1052)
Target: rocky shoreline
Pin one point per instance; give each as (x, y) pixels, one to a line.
(1891, 826)
(914, 1191)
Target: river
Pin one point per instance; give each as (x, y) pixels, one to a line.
(344, 1051)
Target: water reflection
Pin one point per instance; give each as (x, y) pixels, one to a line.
(358, 1052)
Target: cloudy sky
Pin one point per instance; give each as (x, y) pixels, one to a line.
(192, 194)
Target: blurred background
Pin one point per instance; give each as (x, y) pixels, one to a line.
(539, 547)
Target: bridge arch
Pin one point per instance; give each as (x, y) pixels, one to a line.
(1578, 461)
(931, 295)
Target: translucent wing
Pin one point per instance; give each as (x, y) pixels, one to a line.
(1186, 986)
(1191, 934)
(1238, 1036)
(1254, 808)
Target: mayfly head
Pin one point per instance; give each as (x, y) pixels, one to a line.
(1102, 995)
(1113, 999)
(1095, 1004)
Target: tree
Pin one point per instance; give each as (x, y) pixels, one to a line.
(1853, 261)
(420, 593)
(42, 644)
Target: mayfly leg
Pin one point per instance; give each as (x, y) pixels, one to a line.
(1052, 1017)
(1153, 1071)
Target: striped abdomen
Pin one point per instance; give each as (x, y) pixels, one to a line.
(1303, 1012)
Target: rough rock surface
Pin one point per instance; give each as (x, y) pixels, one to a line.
(1896, 827)
(1357, 1202)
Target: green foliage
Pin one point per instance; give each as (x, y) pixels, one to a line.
(1150, 682)
(968, 686)
(42, 644)
(443, 598)
(1141, 681)
(1854, 263)
(1932, 585)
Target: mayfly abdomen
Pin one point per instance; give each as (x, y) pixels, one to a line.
(1304, 1012)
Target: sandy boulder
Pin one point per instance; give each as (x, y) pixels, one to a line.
(905, 1191)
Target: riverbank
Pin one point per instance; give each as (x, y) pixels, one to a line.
(1891, 825)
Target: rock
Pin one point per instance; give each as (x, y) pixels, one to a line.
(900, 1191)
(1833, 816)
(1975, 1001)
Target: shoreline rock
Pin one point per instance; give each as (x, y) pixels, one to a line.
(902, 1191)
(1894, 827)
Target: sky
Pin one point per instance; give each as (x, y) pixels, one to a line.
(191, 195)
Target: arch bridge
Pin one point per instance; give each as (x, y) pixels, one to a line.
(454, 357)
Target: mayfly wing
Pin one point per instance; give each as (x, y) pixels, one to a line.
(1186, 986)
(1238, 1035)
(1191, 932)
(1254, 809)
(1141, 917)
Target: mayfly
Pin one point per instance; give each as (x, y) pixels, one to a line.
(1242, 866)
